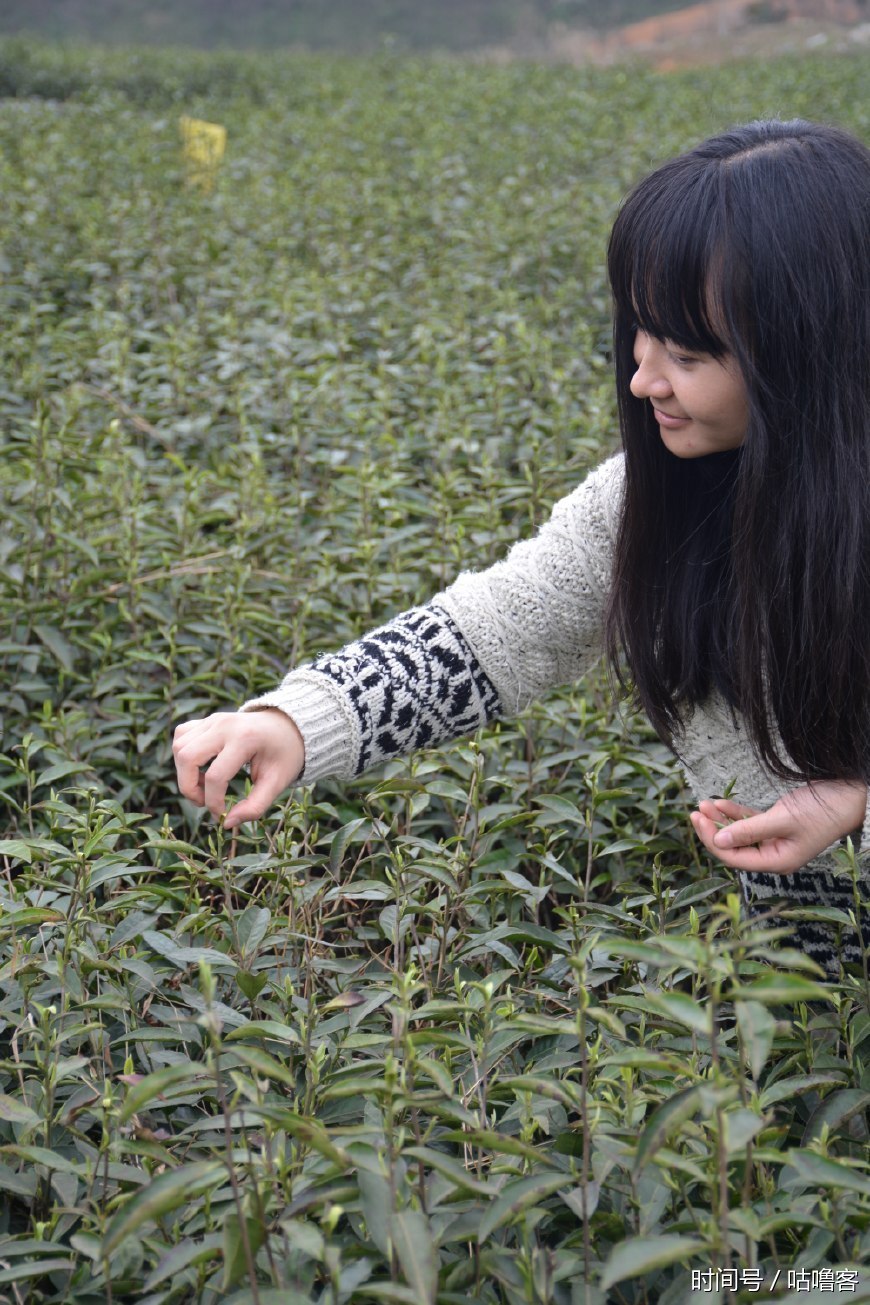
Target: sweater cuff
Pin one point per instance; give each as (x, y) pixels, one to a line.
(329, 732)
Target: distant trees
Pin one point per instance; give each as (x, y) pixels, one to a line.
(356, 25)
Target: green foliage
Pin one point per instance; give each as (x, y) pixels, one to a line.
(482, 1026)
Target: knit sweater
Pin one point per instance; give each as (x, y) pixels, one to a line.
(494, 641)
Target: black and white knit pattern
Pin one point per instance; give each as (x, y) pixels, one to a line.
(826, 943)
(411, 684)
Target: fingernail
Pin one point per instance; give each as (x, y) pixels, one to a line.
(724, 838)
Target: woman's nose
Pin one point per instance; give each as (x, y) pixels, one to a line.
(650, 379)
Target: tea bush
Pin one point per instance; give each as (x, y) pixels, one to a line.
(484, 1025)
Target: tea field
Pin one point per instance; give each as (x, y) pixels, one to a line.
(482, 1026)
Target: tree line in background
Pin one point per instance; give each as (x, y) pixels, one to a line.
(338, 24)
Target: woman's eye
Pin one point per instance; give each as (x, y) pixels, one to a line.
(683, 358)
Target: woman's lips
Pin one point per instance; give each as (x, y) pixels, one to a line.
(669, 422)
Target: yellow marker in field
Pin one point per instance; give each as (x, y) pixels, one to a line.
(203, 144)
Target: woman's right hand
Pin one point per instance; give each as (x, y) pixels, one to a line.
(209, 752)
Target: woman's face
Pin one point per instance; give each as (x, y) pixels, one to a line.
(699, 402)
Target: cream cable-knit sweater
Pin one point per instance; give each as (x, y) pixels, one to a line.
(496, 640)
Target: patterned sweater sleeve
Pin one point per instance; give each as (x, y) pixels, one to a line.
(485, 647)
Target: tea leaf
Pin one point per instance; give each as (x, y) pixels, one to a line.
(643, 1255)
(836, 1109)
(518, 1196)
(415, 1248)
(830, 1173)
(757, 1028)
(668, 1117)
(163, 1194)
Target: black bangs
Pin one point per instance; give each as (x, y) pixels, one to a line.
(667, 260)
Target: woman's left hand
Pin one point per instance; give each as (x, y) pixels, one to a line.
(782, 839)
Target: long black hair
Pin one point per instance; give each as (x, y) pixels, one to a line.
(747, 573)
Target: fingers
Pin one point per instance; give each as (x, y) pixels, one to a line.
(745, 826)
(767, 857)
(766, 841)
(778, 822)
(719, 807)
(229, 761)
(192, 748)
(205, 743)
(258, 801)
(209, 752)
(707, 828)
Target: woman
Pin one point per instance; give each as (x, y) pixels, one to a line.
(722, 561)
